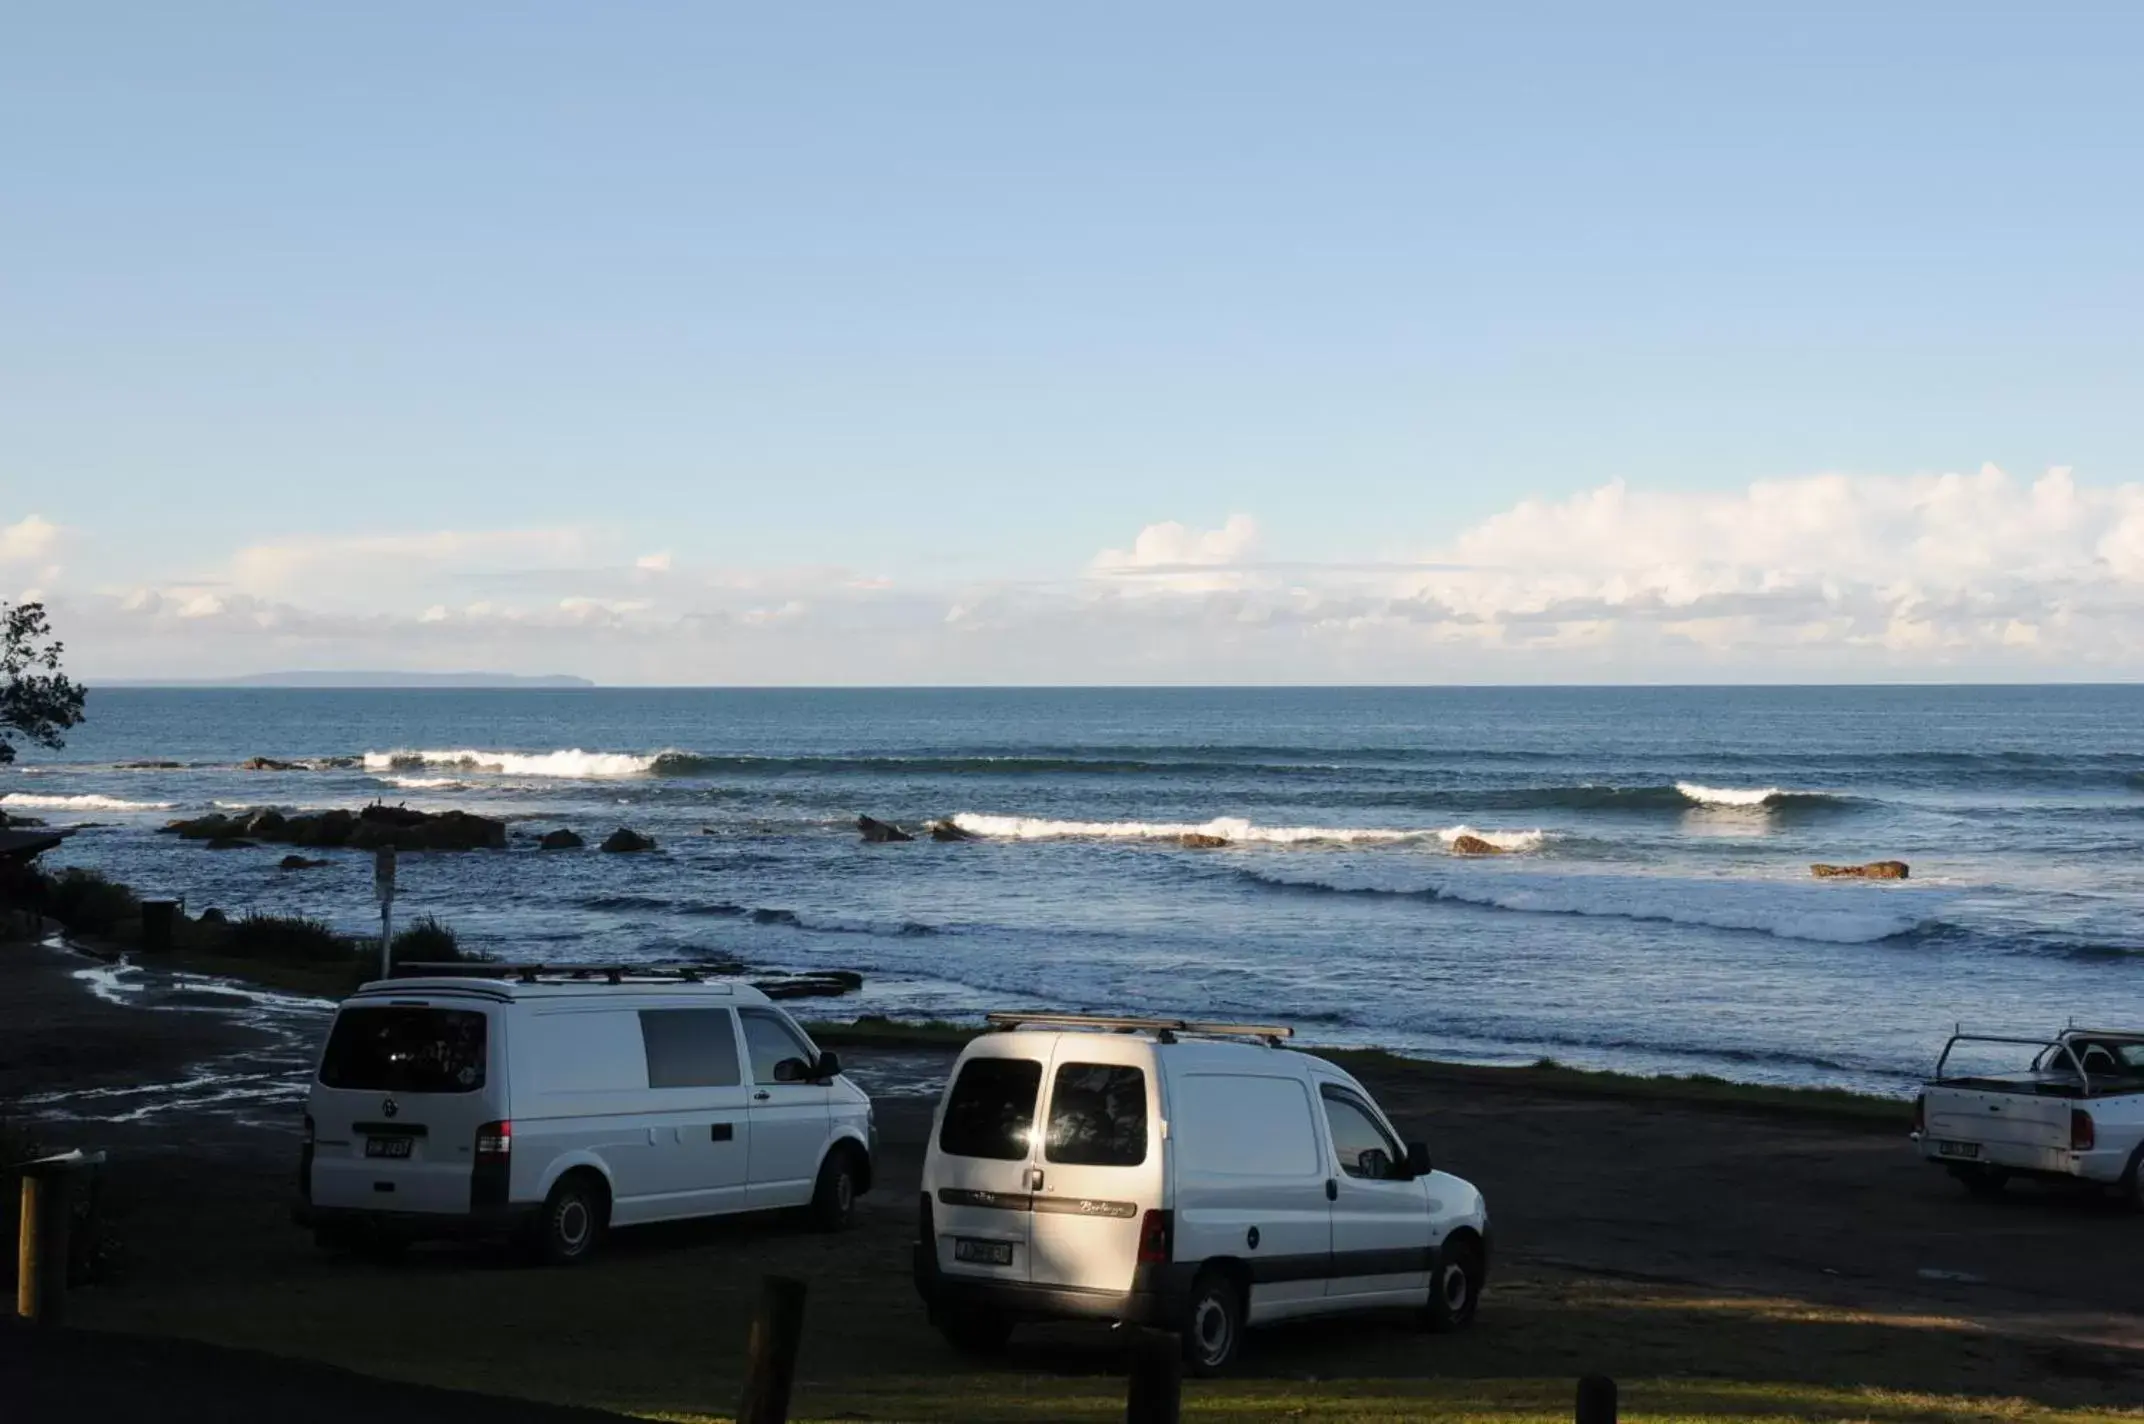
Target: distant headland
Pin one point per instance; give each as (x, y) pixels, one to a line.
(354, 680)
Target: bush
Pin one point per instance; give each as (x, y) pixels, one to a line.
(287, 938)
(427, 941)
(87, 903)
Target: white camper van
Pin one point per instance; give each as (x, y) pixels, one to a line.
(1195, 1176)
(551, 1104)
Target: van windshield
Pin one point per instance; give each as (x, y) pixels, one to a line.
(404, 1049)
(991, 1112)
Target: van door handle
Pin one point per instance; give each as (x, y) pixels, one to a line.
(1332, 1190)
(761, 1096)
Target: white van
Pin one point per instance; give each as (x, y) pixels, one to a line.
(1194, 1176)
(554, 1104)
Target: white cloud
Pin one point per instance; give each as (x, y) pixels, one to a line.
(332, 566)
(1176, 558)
(27, 539)
(658, 563)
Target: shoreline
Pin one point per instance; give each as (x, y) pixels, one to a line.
(328, 984)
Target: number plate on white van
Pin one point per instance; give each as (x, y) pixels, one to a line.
(982, 1253)
(1957, 1149)
(388, 1146)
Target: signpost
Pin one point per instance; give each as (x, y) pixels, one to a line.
(383, 885)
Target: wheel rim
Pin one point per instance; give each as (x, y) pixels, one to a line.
(572, 1223)
(844, 1193)
(1212, 1329)
(1456, 1287)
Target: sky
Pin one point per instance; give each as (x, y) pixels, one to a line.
(935, 343)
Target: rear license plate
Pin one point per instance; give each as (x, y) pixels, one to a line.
(389, 1146)
(982, 1253)
(1957, 1149)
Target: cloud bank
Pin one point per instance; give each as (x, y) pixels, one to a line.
(1823, 577)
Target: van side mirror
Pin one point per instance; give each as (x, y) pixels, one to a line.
(791, 1070)
(1418, 1163)
(827, 1069)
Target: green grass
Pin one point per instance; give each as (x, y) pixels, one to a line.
(89, 903)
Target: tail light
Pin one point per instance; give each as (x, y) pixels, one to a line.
(2084, 1133)
(1156, 1238)
(1920, 1113)
(494, 1142)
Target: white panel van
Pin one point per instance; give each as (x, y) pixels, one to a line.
(1199, 1177)
(554, 1105)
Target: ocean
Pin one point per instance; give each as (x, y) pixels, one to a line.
(1653, 910)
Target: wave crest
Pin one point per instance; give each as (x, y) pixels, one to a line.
(571, 764)
(1233, 829)
(32, 802)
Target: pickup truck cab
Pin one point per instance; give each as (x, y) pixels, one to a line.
(2075, 1111)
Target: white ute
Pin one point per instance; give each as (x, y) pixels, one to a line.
(2075, 1112)
(550, 1104)
(1194, 1176)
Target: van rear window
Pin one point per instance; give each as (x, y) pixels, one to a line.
(402, 1049)
(1097, 1116)
(991, 1111)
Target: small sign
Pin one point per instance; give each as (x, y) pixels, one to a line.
(383, 874)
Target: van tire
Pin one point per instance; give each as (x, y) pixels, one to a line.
(572, 1220)
(1455, 1289)
(1213, 1323)
(1983, 1182)
(974, 1333)
(2132, 1184)
(833, 1200)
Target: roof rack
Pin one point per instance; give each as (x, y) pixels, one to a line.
(569, 973)
(1271, 1034)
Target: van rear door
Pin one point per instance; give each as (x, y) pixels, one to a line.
(1099, 1168)
(981, 1211)
(403, 1086)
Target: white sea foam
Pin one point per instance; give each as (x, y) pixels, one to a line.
(1783, 910)
(1729, 795)
(31, 802)
(422, 783)
(1228, 828)
(573, 764)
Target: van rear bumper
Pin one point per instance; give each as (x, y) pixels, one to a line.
(504, 1220)
(1159, 1296)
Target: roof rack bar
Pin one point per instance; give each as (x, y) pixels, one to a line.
(576, 973)
(1210, 1028)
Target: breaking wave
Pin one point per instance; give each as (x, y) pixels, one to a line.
(31, 802)
(573, 764)
(1233, 829)
(1794, 912)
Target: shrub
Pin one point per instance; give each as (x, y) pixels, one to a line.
(287, 938)
(427, 941)
(87, 903)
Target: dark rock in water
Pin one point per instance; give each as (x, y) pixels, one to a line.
(232, 843)
(1474, 845)
(879, 832)
(947, 831)
(271, 764)
(1874, 870)
(625, 842)
(775, 917)
(20, 822)
(375, 826)
(299, 862)
(1199, 840)
(150, 766)
(560, 840)
(827, 984)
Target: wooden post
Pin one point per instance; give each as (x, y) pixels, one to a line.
(1596, 1400)
(770, 1366)
(1156, 1392)
(41, 1249)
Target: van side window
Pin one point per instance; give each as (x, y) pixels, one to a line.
(1360, 1143)
(1097, 1116)
(690, 1048)
(770, 1038)
(991, 1109)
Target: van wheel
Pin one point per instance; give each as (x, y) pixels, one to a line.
(972, 1333)
(1213, 1325)
(2133, 1181)
(1455, 1290)
(1986, 1182)
(571, 1222)
(833, 1200)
